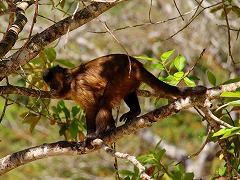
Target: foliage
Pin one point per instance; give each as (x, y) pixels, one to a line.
(70, 121)
(153, 160)
(167, 66)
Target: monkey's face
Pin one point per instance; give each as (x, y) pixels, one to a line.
(59, 80)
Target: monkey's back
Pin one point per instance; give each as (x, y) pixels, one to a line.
(114, 76)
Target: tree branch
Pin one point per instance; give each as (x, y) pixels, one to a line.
(74, 148)
(4, 90)
(39, 41)
(17, 159)
(212, 93)
(12, 34)
(132, 159)
(10, 162)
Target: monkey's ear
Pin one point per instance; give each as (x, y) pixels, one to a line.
(47, 75)
(67, 76)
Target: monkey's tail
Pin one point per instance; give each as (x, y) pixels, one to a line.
(168, 91)
(171, 92)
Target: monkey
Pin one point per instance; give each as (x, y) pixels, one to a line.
(100, 85)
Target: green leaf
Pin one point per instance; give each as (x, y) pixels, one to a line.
(38, 61)
(189, 82)
(51, 54)
(75, 110)
(230, 94)
(166, 55)
(179, 167)
(211, 78)
(193, 77)
(157, 66)
(34, 123)
(31, 119)
(60, 104)
(227, 132)
(42, 55)
(62, 130)
(55, 110)
(171, 80)
(232, 81)
(188, 176)
(157, 145)
(232, 103)
(231, 132)
(177, 175)
(222, 171)
(66, 63)
(148, 159)
(178, 75)
(220, 132)
(226, 12)
(73, 127)
(180, 62)
(23, 115)
(236, 10)
(61, 107)
(66, 112)
(159, 155)
(62, 3)
(146, 58)
(216, 8)
(126, 172)
(171, 65)
(2, 6)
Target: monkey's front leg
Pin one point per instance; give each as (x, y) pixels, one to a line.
(91, 126)
(104, 121)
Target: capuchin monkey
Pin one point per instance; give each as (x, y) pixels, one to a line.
(99, 85)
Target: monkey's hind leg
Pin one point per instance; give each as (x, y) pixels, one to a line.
(132, 102)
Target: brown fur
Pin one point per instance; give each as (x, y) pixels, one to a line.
(99, 85)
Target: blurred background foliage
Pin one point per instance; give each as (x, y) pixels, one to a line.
(143, 28)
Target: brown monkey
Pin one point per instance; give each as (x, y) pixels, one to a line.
(99, 85)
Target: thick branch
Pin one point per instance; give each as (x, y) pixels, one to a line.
(132, 159)
(39, 41)
(215, 92)
(72, 148)
(12, 34)
(212, 93)
(10, 162)
(4, 90)
(17, 159)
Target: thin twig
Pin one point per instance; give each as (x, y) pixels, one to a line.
(200, 149)
(132, 159)
(195, 64)
(149, 12)
(144, 24)
(178, 10)
(228, 33)
(190, 21)
(33, 21)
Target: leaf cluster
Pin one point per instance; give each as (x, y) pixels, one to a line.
(156, 169)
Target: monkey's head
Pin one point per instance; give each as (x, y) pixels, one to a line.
(59, 80)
